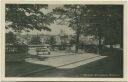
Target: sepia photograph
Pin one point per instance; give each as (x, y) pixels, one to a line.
(64, 40)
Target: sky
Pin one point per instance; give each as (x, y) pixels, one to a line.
(55, 28)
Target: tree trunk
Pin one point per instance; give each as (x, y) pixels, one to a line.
(100, 45)
(99, 41)
(77, 41)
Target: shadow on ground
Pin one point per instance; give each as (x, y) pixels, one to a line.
(14, 69)
(112, 66)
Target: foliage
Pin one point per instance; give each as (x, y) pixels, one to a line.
(101, 21)
(52, 40)
(10, 38)
(73, 14)
(35, 40)
(106, 21)
(28, 17)
(72, 41)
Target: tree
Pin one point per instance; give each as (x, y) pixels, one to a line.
(72, 41)
(10, 38)
(101, 21)
(52, 40)
(115, 25)
(27, 17)
(63, 38)
(106, 22)
(73, 14)
(35, 40)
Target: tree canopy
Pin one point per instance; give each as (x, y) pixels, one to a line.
(102, 21)
(28, 17)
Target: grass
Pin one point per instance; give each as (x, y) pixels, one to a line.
(18, 68)
(112, 66)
